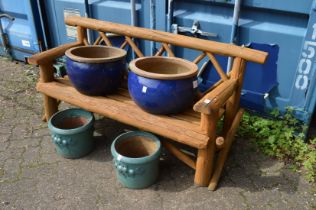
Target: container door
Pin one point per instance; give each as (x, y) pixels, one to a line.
(24, 34)
(119, 11)
(284, 29)
(56, 12)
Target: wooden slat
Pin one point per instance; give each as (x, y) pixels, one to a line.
(81, 34)
(52, 54)
(123, 44)
(134, 47)
(85, 42)
(97, 41)
(172, 120)
(167, 48)
(189, 115)
(215, 85)
(105, 39)
(122, 94)
(217, 66)
(199, 58)
(180, 155)
(216, 98)
(193, 113)
(186, 117)
(160, 51)
(170, 38)
(126, 113)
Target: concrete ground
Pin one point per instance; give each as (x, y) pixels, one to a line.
(33, 176)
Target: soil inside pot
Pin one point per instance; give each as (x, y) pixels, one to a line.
(71, 123)
(136, 147)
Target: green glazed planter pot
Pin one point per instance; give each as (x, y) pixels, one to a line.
(72, 132)
(136, 159)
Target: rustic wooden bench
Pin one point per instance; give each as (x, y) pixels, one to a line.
(195, 128)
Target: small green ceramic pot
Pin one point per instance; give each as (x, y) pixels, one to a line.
(136, 158)
(72, 132)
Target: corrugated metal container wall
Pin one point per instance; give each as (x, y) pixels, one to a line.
(22, 31)
(281, 28)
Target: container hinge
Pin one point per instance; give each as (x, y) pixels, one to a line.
(194, 30)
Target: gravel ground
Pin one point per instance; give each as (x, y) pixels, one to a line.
(33, 176)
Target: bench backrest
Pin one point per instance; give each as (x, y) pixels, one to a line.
(208, 48)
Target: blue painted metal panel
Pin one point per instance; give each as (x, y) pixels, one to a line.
(303, 88)
(119, 11)
(282, 25)
(25, 33)
(56, 11)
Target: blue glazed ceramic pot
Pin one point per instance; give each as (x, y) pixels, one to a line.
(136, 158)
(72, 132)
(95, 70)
(163, 85)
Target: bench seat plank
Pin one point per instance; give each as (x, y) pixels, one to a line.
(120, 107)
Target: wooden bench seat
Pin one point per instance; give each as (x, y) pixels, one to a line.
(184, 128)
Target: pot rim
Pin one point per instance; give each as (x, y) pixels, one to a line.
(69, 53)
(72, 131)
(193, 68)
(139, 160)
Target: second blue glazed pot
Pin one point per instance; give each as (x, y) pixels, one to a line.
(96, 70)
(163, 85)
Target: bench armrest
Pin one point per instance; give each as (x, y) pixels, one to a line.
(216, 98)
(51, 54)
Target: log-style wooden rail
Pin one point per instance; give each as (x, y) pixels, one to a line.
(196, 128)
(173, 39)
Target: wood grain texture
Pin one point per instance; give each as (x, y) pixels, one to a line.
(50, 107)
(105, 39)
(134, 47)
(50, 104)
(124, 44)
(215, 85)
(178, 130)
(51, 54)
(199, 58)
(180, 155)
(173, 39)
(223, 153)
(216, 98)
(232, 104)
(81, 34)
(160, 51)
(85, 42)
(97, 41)
(205, 165)
(220, 142)
(205, 157)
(217, 66)
(167, 48)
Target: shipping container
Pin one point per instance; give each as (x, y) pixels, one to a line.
(22, 29)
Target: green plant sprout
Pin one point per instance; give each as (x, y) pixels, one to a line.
(283, 138)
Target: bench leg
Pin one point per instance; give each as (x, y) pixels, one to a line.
(223, 153)
(205, 156)
(50, 107)
(204, 165)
